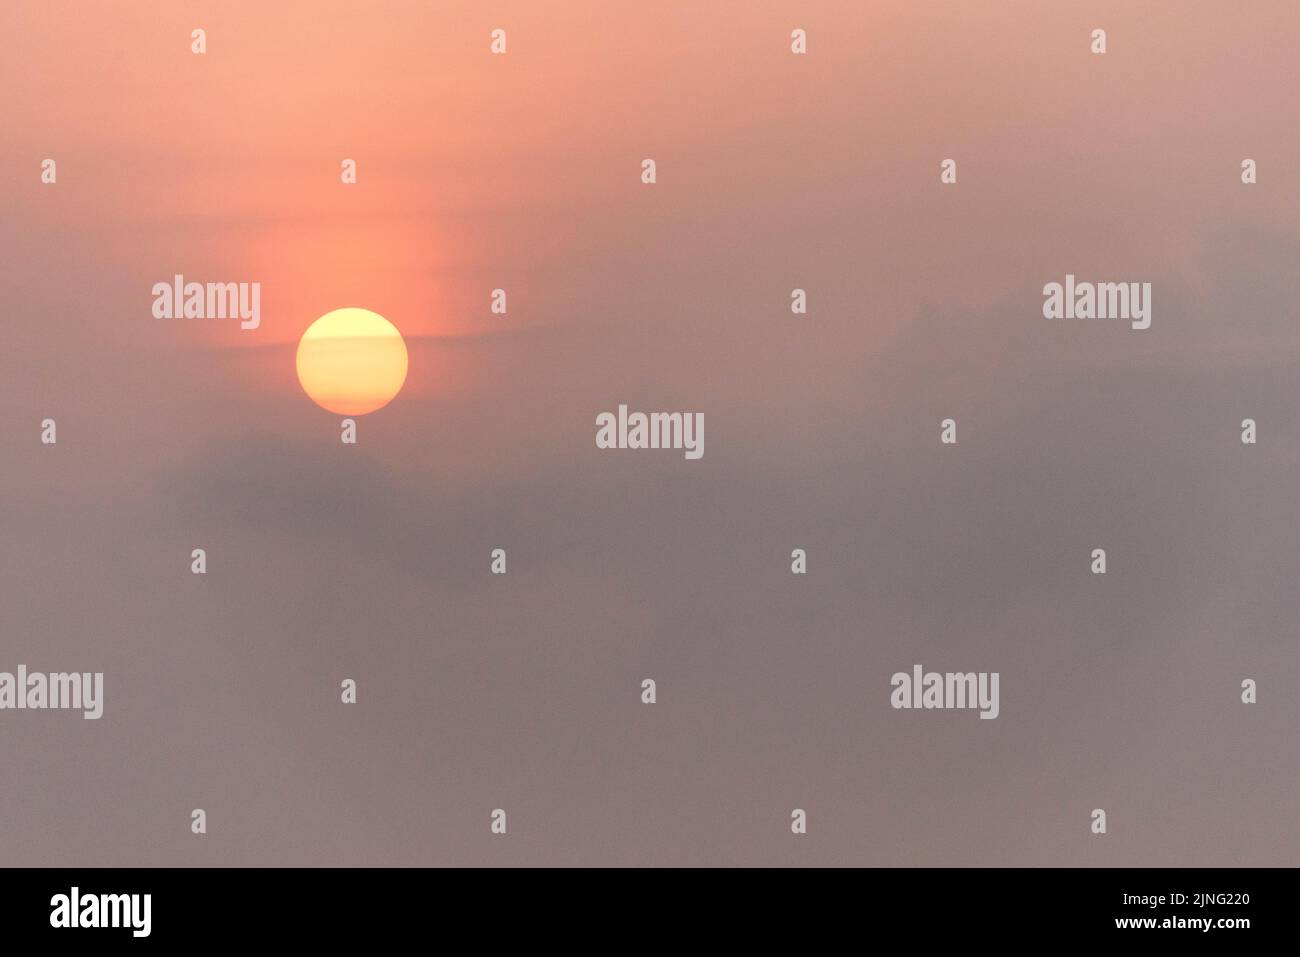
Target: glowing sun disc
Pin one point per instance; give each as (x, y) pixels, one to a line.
(351, 361)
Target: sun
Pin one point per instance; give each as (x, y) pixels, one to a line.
(351, 361)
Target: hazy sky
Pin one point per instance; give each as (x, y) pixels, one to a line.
(775, 171)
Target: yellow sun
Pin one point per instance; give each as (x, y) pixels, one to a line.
(351, 361)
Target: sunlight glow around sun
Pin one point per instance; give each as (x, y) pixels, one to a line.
(351, 361)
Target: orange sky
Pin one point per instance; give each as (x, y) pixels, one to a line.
(774, 172)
